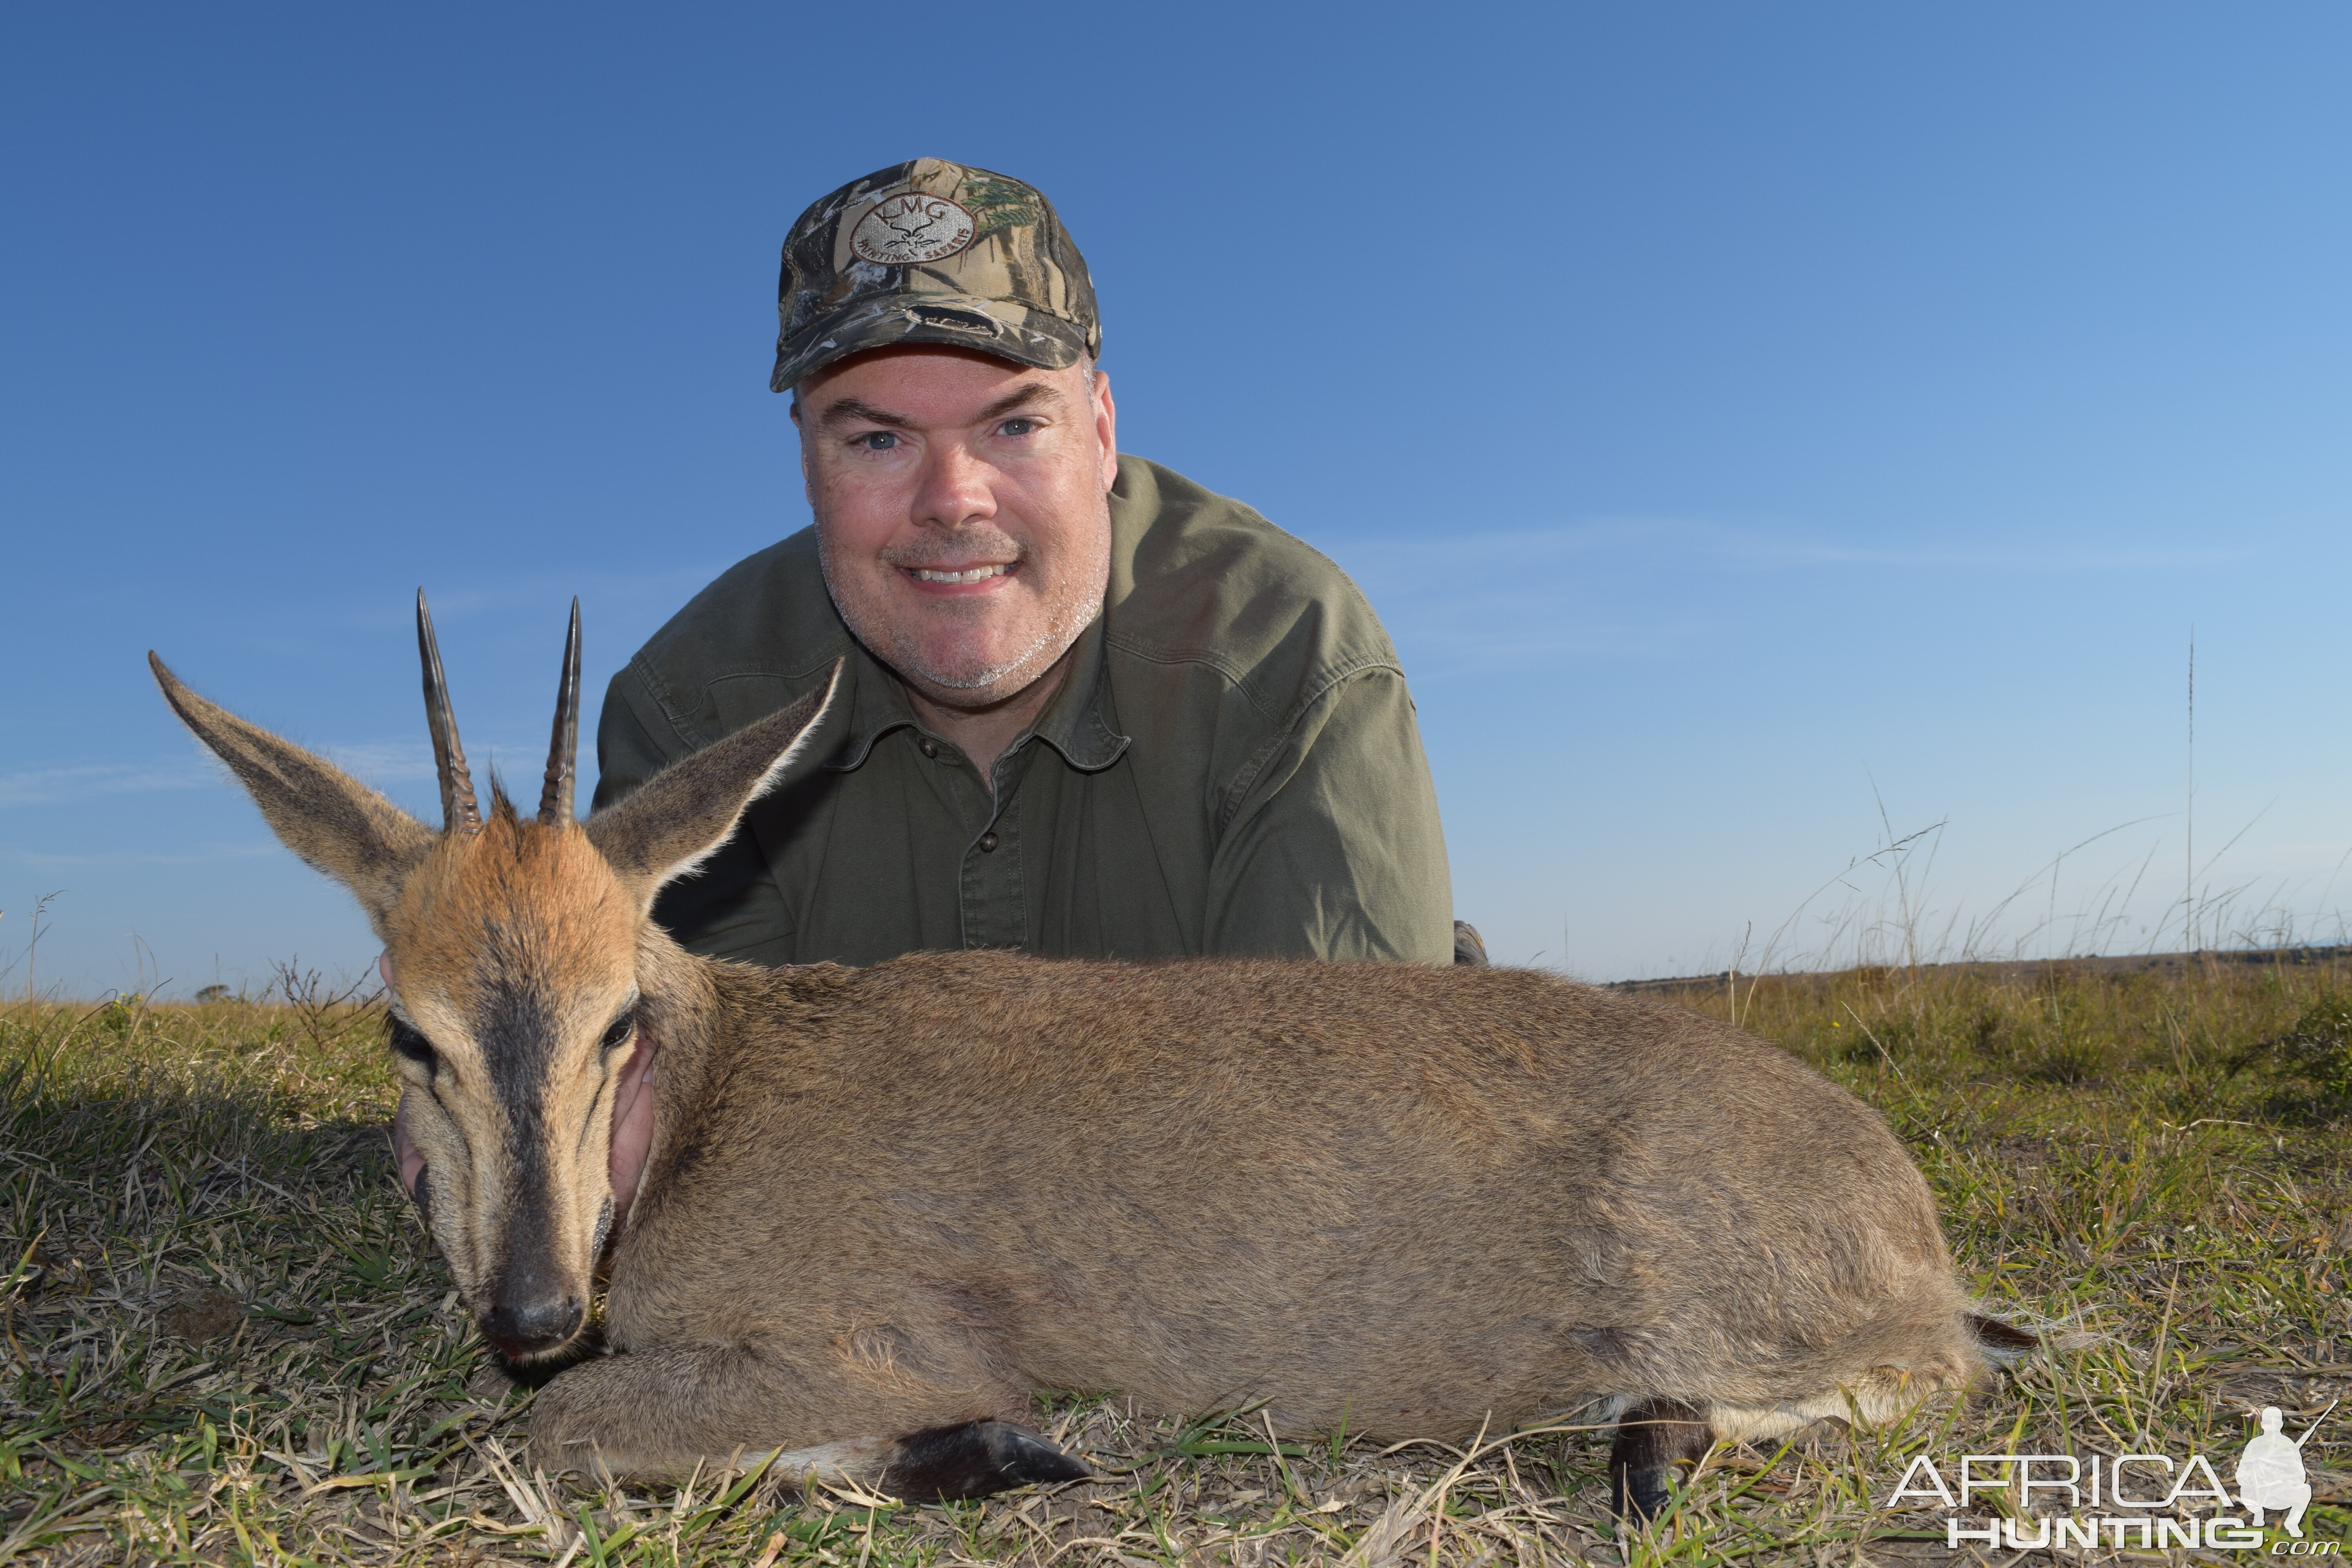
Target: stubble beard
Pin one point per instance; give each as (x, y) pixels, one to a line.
(1069, 613)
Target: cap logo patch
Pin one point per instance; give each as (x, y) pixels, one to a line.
(910, 230)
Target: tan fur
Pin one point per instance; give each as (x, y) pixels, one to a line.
(516, 905)
(322, 814)
(1406, 1201)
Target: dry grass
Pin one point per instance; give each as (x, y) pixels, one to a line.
(227, 1338)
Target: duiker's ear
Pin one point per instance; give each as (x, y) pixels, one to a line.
(317, 810)
(678, 818)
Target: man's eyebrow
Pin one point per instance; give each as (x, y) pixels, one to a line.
(855, 410)
(1020, 398)
(849, 410)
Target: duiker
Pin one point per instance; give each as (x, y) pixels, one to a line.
(872, 1210)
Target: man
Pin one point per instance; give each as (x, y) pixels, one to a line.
(1090, 708)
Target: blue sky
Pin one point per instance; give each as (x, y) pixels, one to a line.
(1768, 432)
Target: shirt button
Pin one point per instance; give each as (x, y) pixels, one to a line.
(928, 746)
(988, 842)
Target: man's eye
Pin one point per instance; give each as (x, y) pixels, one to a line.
(878, 440)
(1016, 427)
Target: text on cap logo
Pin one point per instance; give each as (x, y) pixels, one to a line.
(909, 229)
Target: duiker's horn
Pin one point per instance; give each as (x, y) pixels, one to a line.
(555, 800)
(459, 809)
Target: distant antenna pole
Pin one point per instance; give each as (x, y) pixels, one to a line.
(2188, 875)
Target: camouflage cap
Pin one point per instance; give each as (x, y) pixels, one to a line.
(932, 252)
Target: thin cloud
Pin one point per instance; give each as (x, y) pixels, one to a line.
(410, 761)
(47, 786)
(372, 762)
(385, 762)
(1465, 636)
(1463, 603)
(2092, 558)
(1685, 539)
(124, 857)
(604, 594)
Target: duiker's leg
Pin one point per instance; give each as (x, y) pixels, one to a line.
(974, 1460)
(658, 1414)
(945, 1464)
(1652, 1437)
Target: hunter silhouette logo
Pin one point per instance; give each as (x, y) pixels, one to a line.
(2270, 1472)
(909, 229)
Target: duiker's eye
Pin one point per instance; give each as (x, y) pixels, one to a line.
(623, 1027)
(406, 1042)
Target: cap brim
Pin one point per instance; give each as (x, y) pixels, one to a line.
(983, 326)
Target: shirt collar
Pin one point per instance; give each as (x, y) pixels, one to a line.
(1074, 723)
(877, 705)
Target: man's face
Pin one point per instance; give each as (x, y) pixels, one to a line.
(960, 511)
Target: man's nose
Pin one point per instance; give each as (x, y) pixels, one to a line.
(955, 488)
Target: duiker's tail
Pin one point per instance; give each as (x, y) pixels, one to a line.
(2003, 1344)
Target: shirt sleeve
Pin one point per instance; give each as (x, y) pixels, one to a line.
(1334, 851)
(627, 754)
(732, 907)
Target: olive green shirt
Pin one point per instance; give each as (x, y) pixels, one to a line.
(1231, 766)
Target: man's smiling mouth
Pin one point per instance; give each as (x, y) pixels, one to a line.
(970, 574)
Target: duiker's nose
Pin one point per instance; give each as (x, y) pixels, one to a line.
(531, 1324)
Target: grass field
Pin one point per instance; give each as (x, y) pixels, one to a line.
(226, 1337)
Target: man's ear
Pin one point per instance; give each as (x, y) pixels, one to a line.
(678, 818)
(808, 475)
(319, 812)
(1106, 414)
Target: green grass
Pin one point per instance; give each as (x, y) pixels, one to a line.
(228, 1339)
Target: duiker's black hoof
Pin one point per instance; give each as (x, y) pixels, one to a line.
(1640, 1496)
(1652, 1437)
(948, 1463)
